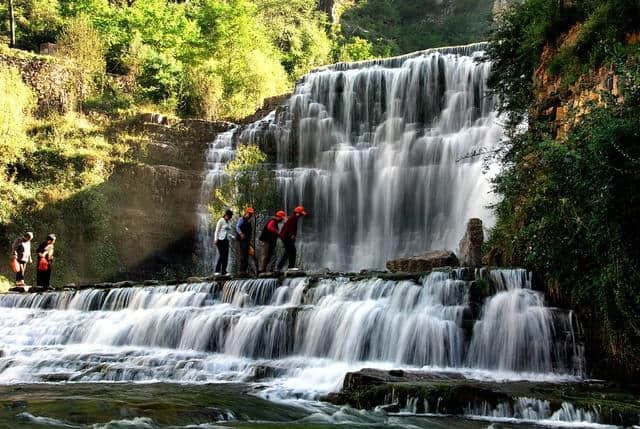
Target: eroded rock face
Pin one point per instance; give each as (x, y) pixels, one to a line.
(425, 262)
(499, 6)
(50, 82)
(154, 203)
(470, 247)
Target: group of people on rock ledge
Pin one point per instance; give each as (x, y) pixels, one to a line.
(273, 230)
(21, 257)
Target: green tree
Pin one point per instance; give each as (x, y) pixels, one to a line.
(83, 45)
(355, 49)
(298, 30)
(248, 182)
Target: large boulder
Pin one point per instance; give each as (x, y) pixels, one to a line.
(470, 247)
(425, 262)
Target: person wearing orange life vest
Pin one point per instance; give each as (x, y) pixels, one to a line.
(45, 259)
(243, 233)
(288, 237)
(269, 237)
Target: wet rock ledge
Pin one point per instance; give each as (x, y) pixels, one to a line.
(453, 394)
(467, 273)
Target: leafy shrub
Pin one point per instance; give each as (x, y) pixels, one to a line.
(83, 45)
(16, 103)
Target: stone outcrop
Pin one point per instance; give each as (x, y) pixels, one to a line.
(566, 104)
(425, 262)
(333, 8)
(470, 247)
(153, 204)
(49, 79)
(499, 6)
(452, 393)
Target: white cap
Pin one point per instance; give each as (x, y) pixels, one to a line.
(30, 234)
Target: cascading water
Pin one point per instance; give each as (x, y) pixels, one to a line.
(219, 152)
(518, 332)
(379, 151)
(212, 331)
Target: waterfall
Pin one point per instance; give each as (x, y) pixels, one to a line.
(381, 153)
(219, 152)
(518, 332)
(224, 330)
(533, 410)
(378, 150)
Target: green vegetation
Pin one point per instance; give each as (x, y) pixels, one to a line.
(207, 58)
(249, 183)
(570, 202)
(394, 27)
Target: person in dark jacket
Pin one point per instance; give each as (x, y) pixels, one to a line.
(243, 233)
(269, 237)
(288, 237)
(44, 253)
(21, 251)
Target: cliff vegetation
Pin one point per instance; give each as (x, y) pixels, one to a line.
(568, 77)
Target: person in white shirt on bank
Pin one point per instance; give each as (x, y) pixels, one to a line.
(222, 236)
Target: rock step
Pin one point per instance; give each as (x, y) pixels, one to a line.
(453, 394)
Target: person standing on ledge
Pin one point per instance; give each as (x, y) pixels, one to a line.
(44, 253)
(221, 240)
(288, 237)
(21, 252)
(269, 237)
(243, 231)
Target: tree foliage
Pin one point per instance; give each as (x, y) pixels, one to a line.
(82, 44)
(248, 182)
(395, 27)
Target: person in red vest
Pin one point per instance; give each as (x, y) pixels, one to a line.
(269, 237)
(288, 237)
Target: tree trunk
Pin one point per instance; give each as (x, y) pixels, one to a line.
(12, 25)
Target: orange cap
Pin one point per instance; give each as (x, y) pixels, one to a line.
(280, 213)
(249, 210)
(300, 210)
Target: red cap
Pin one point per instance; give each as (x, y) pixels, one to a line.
(280, 213)
(249, 210)
(300, 210)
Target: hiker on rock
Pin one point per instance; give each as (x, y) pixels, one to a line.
(243, 232)
(21, 256)
(44, 253)
(222, 236)
(288, 237)
(269, 237)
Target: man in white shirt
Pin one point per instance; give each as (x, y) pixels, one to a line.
(222, 235)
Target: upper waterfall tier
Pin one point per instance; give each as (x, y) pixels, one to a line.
(382, 152)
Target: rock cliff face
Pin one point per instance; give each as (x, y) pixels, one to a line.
(154, 204)
(333, 8)
(565, 104)
(499, 6)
